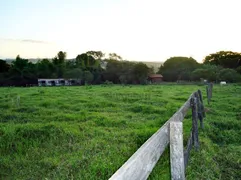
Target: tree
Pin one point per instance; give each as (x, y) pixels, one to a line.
(87, 62)
(229, 75)
(61, 56)
(141, 72)
(88, 77)
(114, 56)
(45, 68)
(19, 67)
(74, 74)
(178, 68)
(115, 69)
(239, 69)
(95, 54)
(4, 67)
(112, 71)
(123, 79)
(59, 63)
(208, 72)
(126, 72)
(226, 59)
(22, 72)
(199, 74)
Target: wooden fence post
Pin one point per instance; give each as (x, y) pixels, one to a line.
(211, 89)
(199, 109)
(194, 123)
(208, 93)
(202, 105)
(176, 151)
(187, 150)
(18, 101)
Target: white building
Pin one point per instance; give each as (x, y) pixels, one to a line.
(56, 82)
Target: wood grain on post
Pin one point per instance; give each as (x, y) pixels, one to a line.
(195, 123)
(176, 151)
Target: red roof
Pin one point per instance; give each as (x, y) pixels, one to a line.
(155, 76)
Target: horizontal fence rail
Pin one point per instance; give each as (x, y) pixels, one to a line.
(141, 163)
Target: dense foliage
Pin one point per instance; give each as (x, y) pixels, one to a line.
(221, 66)
(93, 68)
(178, 68)
(89, 67)
(226, 59)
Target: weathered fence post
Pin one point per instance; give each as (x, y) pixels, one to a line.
(194, 123)
(18, 101)
(201, 100)
(207, 90)
(211, 89)
(199, 109)
(187, 150)
(176, 151)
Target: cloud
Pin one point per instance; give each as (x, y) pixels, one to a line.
(34, 41)
(26, 41)
(27, 48)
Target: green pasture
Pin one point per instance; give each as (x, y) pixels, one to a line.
(88, 132)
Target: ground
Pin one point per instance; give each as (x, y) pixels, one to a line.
(88, 132)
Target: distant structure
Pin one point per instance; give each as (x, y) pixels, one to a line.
(56, 82)
(155, 78)
(223, 83)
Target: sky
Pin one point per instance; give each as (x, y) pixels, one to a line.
(140, 30)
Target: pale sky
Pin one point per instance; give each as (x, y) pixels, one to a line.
(141, 30)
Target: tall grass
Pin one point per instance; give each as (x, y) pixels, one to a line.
(89, 132)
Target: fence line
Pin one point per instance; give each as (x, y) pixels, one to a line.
(140, 164)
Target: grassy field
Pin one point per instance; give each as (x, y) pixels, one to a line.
(88, 132)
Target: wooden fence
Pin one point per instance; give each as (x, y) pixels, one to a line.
(209, 90)
(141, 163)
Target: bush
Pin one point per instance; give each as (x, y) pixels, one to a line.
(229, 75)
(108, 82)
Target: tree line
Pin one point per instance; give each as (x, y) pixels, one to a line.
(219, 66)
(93, 68)
(88, 68)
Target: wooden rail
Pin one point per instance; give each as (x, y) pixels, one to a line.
(140, 164)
